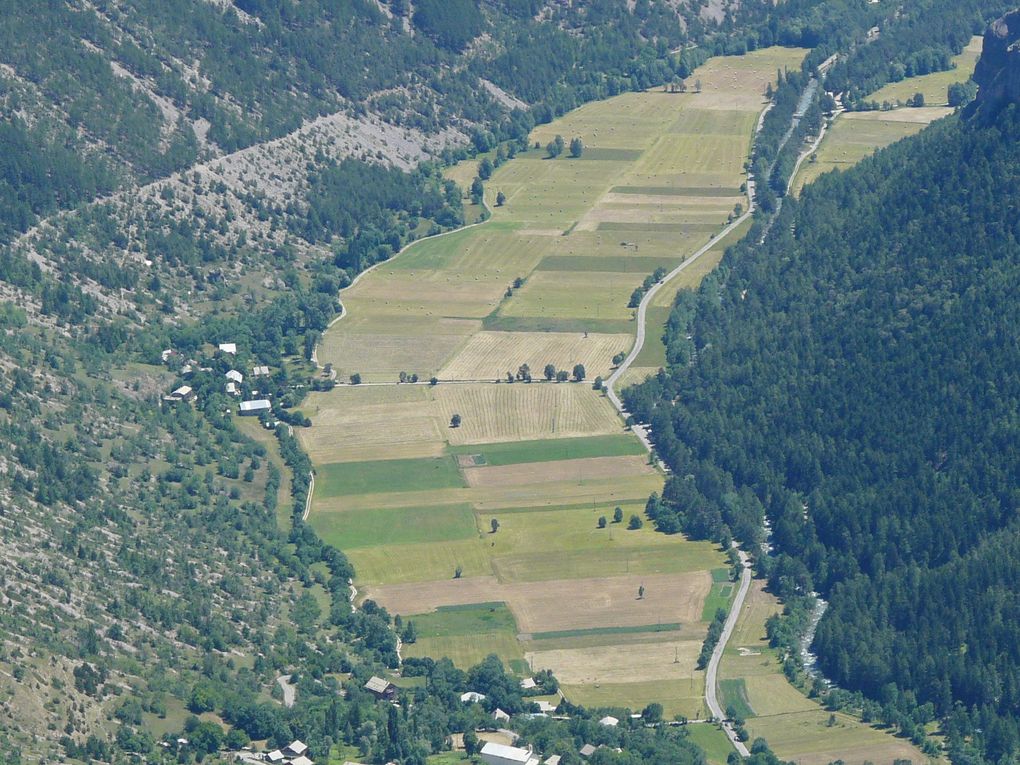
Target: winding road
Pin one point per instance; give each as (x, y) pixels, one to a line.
(712, 675)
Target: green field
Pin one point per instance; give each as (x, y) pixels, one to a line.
(466, 633)
(933, 86)
(721, 595)
(734, 696)
(712, 740)
(471, 619)
(368, 527)
(343, 478)
(551, 450)
(601, 631)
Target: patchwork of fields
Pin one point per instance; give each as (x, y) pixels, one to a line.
(488, 535)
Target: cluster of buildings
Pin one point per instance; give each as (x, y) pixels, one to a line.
(232, 385)
(295, 753)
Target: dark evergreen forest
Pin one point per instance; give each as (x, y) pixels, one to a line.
(856, 380)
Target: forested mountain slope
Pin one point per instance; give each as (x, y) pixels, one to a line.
(857, 378)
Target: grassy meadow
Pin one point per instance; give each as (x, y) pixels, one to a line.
(856, 135)
(413, 500)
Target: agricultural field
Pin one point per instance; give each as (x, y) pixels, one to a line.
(498, 534)
(856, 135)
(796, 727)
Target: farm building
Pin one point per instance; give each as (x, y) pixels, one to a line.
(609, 721)
(260, 372)
(545, 706)
(295, 749)
(256, 407)
(552, 759)
(501, 754)
(184, 393)
(275, 756)
(587, 750)
(235, 376)
(500, 716)
(472, 697)
(528, 683)
(301, 760)
(381, 689)
(228, 348)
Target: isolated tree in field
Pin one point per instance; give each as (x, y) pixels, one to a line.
(355, 379)
(555, 147)
(598, 384)
(562, 376)
(549, 371)
(458, 572)
(494, 525)
(485, 169)
(509, 377)
(602, 521)
(477, 191)
(641, 592)
(576, 147)
(659, 274)
(618, 515)
(618, 358)
(579, 372)
(455, 421)
(524, 373)
(917, 100)
(518, 282)
(738, 209)
(434, 381)
(402, 377)
(500, 199)
(635, 522)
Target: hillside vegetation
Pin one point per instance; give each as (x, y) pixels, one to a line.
(854, 380)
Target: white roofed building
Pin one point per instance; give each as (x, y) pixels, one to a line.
(256, 407)
(228, 347)
(609, 721)
(472, 697)
(234, 375)
(501, 754)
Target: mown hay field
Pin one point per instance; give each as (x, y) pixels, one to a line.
(934, 86)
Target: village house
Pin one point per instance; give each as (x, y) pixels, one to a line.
(587, 750)
(260, 371)
(501, 754)
(472, 697)
(609, 721)
(228, 348)
(381, 689)
(500, 716)
(235, 376)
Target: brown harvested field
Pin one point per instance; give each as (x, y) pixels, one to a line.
(563, 470)
(490, 355)
(621, 663)
(386, 422)
(521, 412)
(381, 357)
(562, 605)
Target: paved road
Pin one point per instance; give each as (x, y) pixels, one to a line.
(289, 691)
(712, 675)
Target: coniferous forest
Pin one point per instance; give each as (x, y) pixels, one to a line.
(855, 381)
